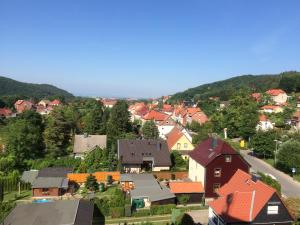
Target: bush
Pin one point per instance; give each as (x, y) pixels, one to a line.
(162, 209)
(141, 213)
(103, 205)
(271, 182)
(116, 212)
(109, 179)
(183, 199)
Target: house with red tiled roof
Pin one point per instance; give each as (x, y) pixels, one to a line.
(5, 112)
(108, 103)
(199, 117)
(194, 191)
(213, 162)
(271, 109)
(23, 105)
(242, 200)
(168, 109)
(138, 110)
(178, 140)
(156, 116)
(256, 96)
(55, 102)
(264, 123)
(278, 96)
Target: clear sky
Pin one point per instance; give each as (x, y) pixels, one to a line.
(145, 48)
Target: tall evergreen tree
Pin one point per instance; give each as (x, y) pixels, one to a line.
(150, 130)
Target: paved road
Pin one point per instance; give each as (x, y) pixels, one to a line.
(289, 187)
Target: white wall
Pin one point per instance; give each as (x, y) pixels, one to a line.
(196, 171)
(160, 168)
(164, 130)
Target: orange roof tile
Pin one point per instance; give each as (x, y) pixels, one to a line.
(173, 137)
(275, 92)
(186, 187)
(242, 198)
(155, 115)
(263, 117)
(200, 117)
(272, 107)
(192, 111)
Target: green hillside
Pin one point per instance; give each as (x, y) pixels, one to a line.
(10, 87)
(289, 81)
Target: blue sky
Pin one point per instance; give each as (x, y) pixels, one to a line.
(145, 48)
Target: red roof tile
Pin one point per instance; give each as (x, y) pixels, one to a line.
(200, 117)
(186, 187)
(263, 118)
(204, 153)
(272, 107)
(241, 199)
(5, 112)
(275, 92)
(155, 115)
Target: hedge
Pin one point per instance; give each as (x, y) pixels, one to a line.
(116, 212)
(162, 209)
(142, 212)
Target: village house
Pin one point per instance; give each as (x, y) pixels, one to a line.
(199, 117)
(194, 191)
(51, 182)
(278, 96)
(44, 102)
(6, 113)
(145, 190)
(23, 105)
(296, 120)
(167, 109)
(165, 127)
(143, 155)
(83, 144)
(213, 162)
(179, 141)
(156, 116)
(264, 123)
(108, 103)
(256, 96)
(137, 111)
(245, 201)
(71, 212)
(271, 109)
(55, 102)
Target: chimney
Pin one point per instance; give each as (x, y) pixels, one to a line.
(214, 141)
(158, 146)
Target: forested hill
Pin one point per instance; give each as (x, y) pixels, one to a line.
(10, 87)
(289, 81)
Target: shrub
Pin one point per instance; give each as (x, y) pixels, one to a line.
(183, 199)
(116, 212)
(162, 209)
(91, 183)
(271, 182)
(103, 205)
(109, 179)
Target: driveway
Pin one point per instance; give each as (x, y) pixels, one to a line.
(199, 216)
(289, 187)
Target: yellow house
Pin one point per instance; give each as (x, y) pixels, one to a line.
(177, 140)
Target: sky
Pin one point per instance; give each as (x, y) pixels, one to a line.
(145, 48)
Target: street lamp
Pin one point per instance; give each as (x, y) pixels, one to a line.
(276, 150)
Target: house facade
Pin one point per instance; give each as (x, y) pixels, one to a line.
(213, 162)
(143, 155)
(264, 123)
(23, 105)
(245, 201)
(178, 140)
(278, 96)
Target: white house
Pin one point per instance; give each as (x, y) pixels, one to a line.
(264, 123)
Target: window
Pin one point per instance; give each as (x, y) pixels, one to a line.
(217, 172)
(216, 187)
(185, 145)
(272, 209)
(228, 158)
(178, 146)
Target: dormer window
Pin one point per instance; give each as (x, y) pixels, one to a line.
(228, 158)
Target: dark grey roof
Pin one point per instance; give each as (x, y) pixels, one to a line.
(136, 151)
(63, 212)
(86, 143)
(29, 176)
(146, 186)
(50, 182)
(55, 172)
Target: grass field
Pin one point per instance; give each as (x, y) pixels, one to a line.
(14, 195)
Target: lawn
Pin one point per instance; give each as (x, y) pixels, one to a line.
(14, 195)
(297, 177)
(269, 161)
(107, 193)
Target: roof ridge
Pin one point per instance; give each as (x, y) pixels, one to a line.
(252, 205)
